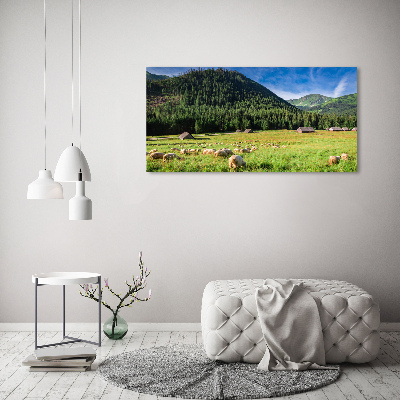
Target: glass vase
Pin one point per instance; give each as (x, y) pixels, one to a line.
(115, 327)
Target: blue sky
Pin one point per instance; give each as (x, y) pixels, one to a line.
(291, 83)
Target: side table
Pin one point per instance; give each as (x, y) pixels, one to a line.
(66, 278)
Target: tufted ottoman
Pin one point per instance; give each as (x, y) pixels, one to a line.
(231, 330)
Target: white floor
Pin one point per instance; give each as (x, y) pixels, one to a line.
(379, 379)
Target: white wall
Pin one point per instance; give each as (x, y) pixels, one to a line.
(192, 228)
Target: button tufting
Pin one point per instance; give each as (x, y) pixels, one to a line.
(329, 295)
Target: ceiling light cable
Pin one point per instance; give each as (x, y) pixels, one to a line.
(44, 83)
(72, 68)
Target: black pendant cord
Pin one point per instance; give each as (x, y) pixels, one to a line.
(44, 84)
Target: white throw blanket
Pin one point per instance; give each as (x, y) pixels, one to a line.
(291, 327)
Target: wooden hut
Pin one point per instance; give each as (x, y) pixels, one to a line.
(186, 135)
(304, 129)
(344, 128)
(354, 129)
(335, 128)
(248, 131)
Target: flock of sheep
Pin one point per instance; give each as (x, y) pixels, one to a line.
(235, 161)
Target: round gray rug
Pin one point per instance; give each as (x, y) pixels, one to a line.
(185, 371)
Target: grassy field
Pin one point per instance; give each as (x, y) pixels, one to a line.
(296, 152)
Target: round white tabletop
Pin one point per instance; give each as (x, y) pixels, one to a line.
(65, 278)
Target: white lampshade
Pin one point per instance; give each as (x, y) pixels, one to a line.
(44, 187)
(80, 206)
(71, 161)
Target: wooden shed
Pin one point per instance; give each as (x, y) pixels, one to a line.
(344, 128)
(335, 128)
(186, 135)
(248, 131)
(303, 129)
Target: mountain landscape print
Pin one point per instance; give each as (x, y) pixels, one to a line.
(251, 119)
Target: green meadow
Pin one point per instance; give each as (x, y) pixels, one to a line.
(277, 151)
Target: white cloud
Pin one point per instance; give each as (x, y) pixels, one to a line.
(312, 75)
(340, 88)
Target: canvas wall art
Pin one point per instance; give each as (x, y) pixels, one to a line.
(251, 119)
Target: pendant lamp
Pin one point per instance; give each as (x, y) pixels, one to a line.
(44, 186)
(72, 165)
(80, 206)
(72, 162)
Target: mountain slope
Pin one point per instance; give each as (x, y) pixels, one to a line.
(155, 77)
(341, 105)
(309, 101)
(215, 88)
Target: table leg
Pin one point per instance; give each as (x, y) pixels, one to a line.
(36, 286)
(100, 297)
(63, 311)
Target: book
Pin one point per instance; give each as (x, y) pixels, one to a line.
(62, 353)
(32, 361)
(58, 369)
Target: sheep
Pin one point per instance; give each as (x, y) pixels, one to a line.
(229, 152)
(220, 153)
(209, 151)
(170, 156)
(254, 148)
(184, 151)
(236, 162)
(174, 149)
(334, 160)
(344, 156)
(156, 155)
(153, 151)
(246, 150)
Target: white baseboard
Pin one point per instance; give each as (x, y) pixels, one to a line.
(138, 327)
(92, 327)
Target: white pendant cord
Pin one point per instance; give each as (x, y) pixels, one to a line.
(44, 84)
(72, 70)
(79, 80)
